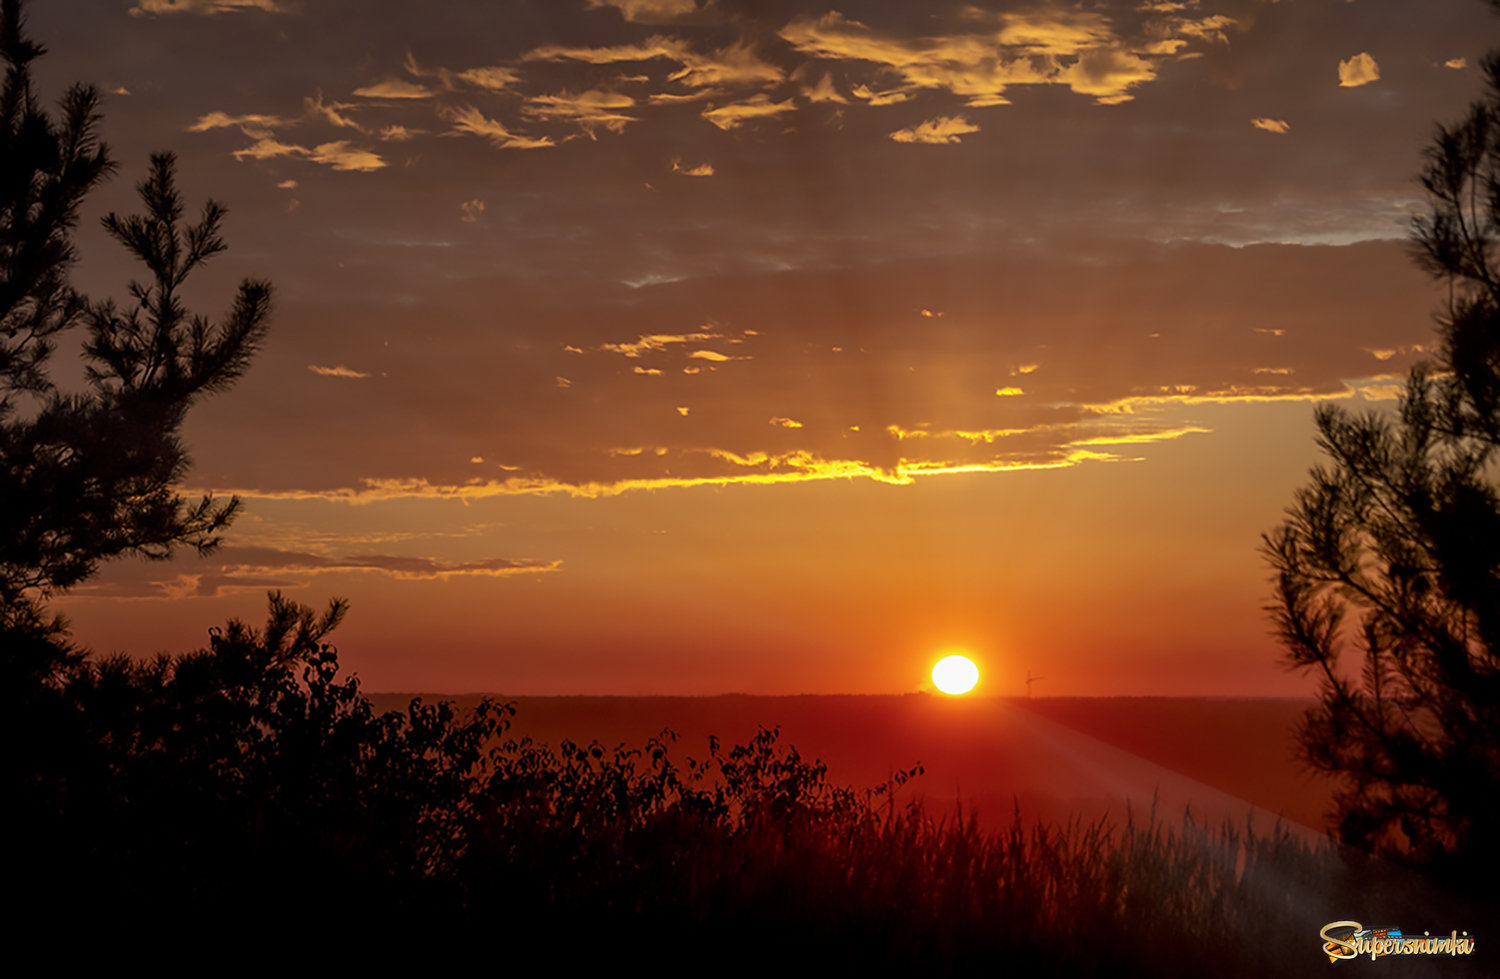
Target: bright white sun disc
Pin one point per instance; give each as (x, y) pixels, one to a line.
(955, 674)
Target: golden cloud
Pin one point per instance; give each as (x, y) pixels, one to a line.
(944, 129)
(765, 469)
(394, 88)
(589, 110)
(1358, 70)
(339, 371)
(823, 90)
(656, 341)
(338, 155)
(734, 65)
(871, 97)
(493, 78)
(734, 115)
(329, 112)
(223, 120)
(1053, 46)
(1271, 125)
(341, 156)
(470, 120)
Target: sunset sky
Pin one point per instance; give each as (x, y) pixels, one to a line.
(653, 346)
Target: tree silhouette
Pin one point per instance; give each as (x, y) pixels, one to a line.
(90, 476)
(1393, 550)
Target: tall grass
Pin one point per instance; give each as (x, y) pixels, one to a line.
(753, 854)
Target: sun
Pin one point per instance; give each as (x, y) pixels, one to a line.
(955, 674)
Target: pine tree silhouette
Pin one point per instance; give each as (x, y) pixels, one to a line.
(1393, 553)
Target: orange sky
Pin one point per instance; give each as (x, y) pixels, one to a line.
(645, 346)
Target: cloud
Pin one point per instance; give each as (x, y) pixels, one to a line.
(394, 88)
(223, 120)
(469, 211)
(735, 65)
(1108, 74)
(753, 468)
(657, 341)
(330, 112)
(341, 156)
(1271, 125)
(732, 66)
(734, 115)
(339, 371)
(470, 120)
(1055, 32)
(701, 170)
(823, 90)
(782, 422)
(1358, 70)
(246, 568)
(647, 11)
(287, 185)
(338, 155)
(1381, 392)
(1008, 392)
(872, 97)
(493, 78)
(267, 148)
(266, 559)
(590, 110)
(1049, 46)
(205, 7)
(944, 129)
(1457, 64)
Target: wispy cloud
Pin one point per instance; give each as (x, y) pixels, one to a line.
(657, 341)
(468, 119)
(1271, 125)
(494, 77)
(338, 371)
(205, 7)
(223, 120)
(394, 88)
(250, 568)
(589, 110)
(736, 114)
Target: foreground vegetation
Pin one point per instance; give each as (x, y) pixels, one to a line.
(248, 787)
